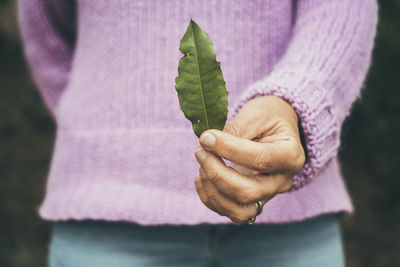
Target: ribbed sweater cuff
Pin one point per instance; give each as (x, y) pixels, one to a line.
(314, 109)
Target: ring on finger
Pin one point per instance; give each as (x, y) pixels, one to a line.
(259, 207)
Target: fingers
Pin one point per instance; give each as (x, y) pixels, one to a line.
(237, 187)
(202, 194)
(224, 206)
(283, 155)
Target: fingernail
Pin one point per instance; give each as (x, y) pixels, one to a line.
(208, 140)
(200, 155)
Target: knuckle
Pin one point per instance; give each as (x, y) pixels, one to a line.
(246, 196)
(232, 128)
(295, 156)
(215, 178)
(227, 212)
(212, 198)
(261, 161)
(215, 205)
(299, 162)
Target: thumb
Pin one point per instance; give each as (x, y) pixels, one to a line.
(265, 157)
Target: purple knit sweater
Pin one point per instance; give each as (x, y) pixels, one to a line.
(124, 150)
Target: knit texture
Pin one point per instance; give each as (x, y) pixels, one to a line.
(124, 150)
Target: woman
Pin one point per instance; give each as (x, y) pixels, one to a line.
(121, 188)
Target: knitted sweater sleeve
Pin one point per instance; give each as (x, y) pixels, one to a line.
(48, 33)
(321, 73)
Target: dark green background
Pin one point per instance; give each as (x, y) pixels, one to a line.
(369, 153)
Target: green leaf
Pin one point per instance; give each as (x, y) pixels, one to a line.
(201, 89)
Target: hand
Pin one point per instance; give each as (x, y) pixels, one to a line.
(263, 143)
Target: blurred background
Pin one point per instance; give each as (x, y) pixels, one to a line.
(370, 153)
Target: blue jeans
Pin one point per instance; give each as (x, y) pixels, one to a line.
(314, 242)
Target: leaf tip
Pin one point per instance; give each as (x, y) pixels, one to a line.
(193, 23)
